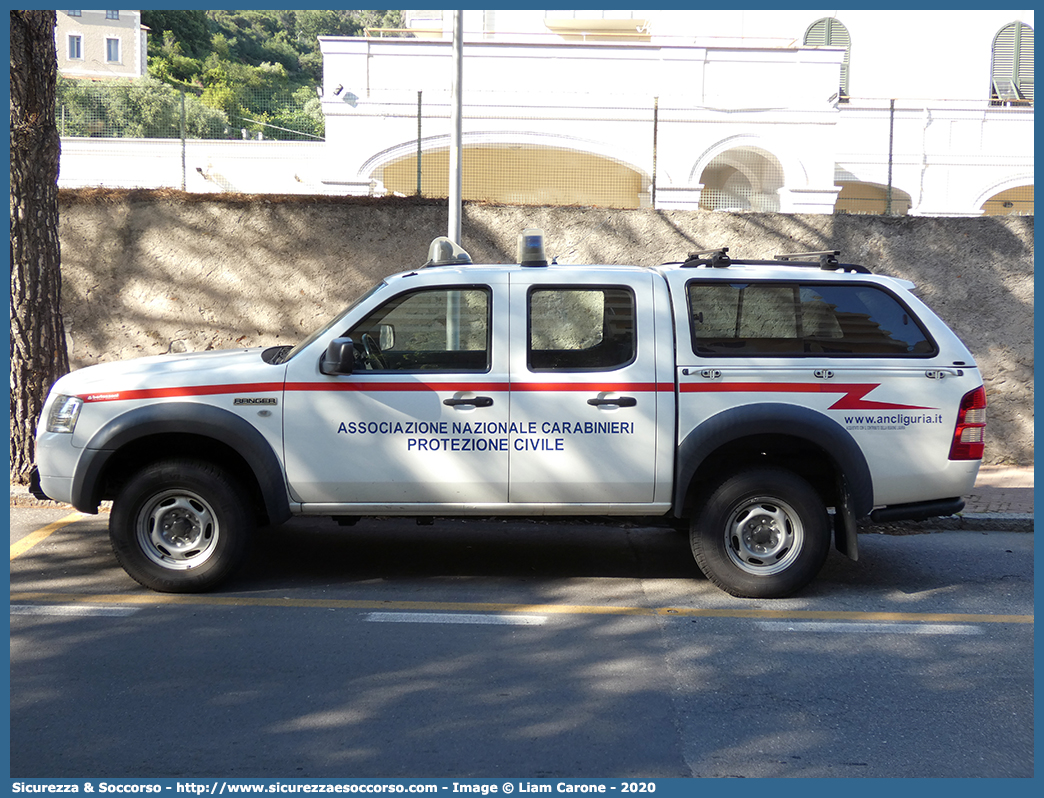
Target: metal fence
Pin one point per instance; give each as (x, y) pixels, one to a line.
(149, 108)
(887, 159)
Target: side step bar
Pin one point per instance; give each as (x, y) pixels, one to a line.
(917, 511)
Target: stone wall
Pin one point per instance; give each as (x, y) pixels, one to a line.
(153, 272)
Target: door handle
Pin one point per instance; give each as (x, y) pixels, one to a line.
(623, 401)
(475, 401)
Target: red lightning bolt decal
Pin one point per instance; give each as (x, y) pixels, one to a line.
(852, 399)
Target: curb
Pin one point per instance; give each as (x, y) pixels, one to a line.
(22, 498)
(968, 522)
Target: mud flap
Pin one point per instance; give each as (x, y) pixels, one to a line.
(845, 531)
(34, 485)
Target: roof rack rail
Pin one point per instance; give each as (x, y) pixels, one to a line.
(827, 260)
(716, 258)
(806, 255)
(827, 257)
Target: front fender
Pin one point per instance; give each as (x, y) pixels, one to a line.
(185, 418)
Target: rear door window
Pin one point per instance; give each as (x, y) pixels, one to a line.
(580, 329)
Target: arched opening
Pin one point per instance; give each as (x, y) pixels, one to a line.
(871, 198)
(520, 174)
(1016, 201)
(742, 179)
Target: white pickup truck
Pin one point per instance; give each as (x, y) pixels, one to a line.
(764, 406)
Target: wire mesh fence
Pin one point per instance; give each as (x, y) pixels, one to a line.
(149, 108)
(618, 152)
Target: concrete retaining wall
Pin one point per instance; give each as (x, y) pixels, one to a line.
(153, 272)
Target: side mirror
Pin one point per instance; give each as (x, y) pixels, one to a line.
(339, 357)
(386, 338)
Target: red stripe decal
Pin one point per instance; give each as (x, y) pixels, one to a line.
(615, 387)
(481, 386)
(852, 399)
(182, 391)
(396, 386)
(276, 387)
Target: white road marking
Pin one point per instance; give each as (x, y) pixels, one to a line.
(455, 617)
(870, 628)
(77, 610)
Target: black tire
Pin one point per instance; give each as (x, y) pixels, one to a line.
(762, 533)
(180, 526)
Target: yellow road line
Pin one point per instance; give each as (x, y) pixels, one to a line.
(547, 609)
(30, 540)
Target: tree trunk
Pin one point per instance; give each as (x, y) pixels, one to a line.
(38, 350)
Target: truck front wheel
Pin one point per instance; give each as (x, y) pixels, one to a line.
(762, 533)
(180, 526)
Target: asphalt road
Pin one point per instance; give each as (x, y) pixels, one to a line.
(491, 649)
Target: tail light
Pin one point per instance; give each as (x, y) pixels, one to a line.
(969, 436)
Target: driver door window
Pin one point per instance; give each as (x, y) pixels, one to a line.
(444, 329)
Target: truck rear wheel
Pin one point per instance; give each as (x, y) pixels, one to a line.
(762, 533)
(180, 526)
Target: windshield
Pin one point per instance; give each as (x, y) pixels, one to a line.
(332, 324)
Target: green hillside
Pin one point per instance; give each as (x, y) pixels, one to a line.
(219, 74)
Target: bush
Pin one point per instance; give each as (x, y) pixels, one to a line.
(143, 108)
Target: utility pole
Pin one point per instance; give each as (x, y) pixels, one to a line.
(456, 171)
(891, 156)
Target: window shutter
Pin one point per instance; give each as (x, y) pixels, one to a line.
(829, 32)
(1011, 73)
(1025, 62)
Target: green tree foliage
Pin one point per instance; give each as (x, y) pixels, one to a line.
(241, 73)
(145, 108)
(189, 28)
(182, 41)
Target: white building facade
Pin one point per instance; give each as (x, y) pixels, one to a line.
(921, 112)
